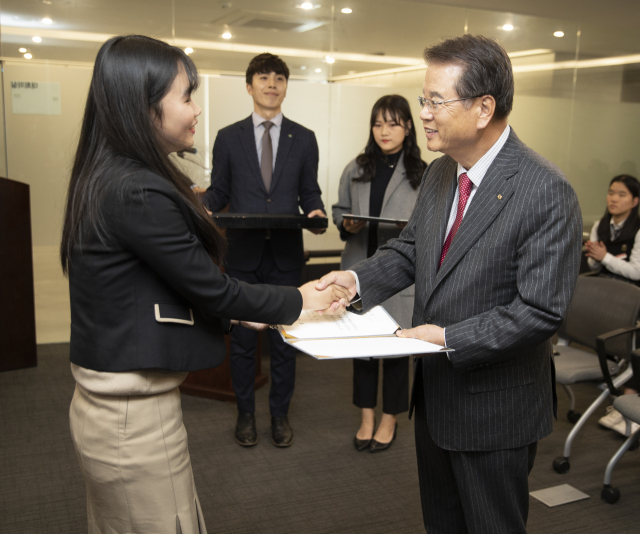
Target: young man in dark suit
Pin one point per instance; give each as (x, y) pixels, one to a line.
(265, 164)
(493, 246)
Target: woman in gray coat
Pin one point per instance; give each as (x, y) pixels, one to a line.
(381, 182)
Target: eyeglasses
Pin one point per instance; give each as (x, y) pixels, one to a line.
(433, 106)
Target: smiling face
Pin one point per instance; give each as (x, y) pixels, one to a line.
(389, 134)
(268, 92)
(620, 201)
(179, 115)
(452, 129)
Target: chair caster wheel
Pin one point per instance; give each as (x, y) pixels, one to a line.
(573, 416)
(609, 494)
(561, 465)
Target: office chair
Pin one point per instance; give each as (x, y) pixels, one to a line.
(629, 407)
(602, 317)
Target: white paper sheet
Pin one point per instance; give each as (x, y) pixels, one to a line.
(376, 322)
(365, 347)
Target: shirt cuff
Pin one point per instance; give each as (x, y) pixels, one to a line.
(357, 284)
(607, 259)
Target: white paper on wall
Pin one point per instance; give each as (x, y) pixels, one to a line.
(35, 98)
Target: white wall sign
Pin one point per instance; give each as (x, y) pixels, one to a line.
(36, 98)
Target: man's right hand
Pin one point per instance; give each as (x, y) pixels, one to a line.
(340, 278)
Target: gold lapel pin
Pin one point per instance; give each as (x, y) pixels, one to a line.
(290, 135)
(499, 197)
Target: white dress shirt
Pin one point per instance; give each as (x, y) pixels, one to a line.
(475, 174)
(258, 130)
(629, 269)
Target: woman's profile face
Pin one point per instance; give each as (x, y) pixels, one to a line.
(389, 134)
(179, 115)
(620, 201)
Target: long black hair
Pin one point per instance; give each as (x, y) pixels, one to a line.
(632, 224)
(119, 136)
(397, 108)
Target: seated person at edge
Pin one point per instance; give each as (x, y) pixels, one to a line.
(613, 250)
(148, 301)
(381, 182)
(265, 163)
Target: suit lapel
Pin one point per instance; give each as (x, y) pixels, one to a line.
(248, 139)
(364, 194)
(398, 175)
(489, 200)
(284, 145)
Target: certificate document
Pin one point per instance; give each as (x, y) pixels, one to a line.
(372, 334)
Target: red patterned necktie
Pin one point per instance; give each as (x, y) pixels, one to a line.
(465, 191)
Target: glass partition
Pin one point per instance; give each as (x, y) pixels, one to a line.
(577, 96)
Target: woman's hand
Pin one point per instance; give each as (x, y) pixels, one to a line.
(351, 226)
(596, 250)
(332, 300)
(251, 326)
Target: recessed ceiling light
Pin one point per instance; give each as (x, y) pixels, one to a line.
(558, 34)
(47, 21)
(48, 2)
(352, 72)
(330, 59)
(318, 70)
(306, 5)
(188, 50)
(22, 50)
(303, 67)
(36, 39)
(507, 27)
(28, 56)
(347, 10)
(227, 35)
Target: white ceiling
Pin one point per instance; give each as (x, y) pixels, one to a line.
(377, 35)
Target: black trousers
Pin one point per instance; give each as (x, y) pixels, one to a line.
(395, 384)
(244, 342)
(476, 492)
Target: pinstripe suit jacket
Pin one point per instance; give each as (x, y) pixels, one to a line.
(501, 293)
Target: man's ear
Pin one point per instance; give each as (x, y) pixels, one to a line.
(486, 111)
(250, 89)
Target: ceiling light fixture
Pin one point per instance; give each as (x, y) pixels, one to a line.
(352, 72)
(36, 39)
(306, 5)
(303, 67)
(47, 21)
(318, 70)
(188, 50)
(227, 35)
(507, 27)
(22, 50)
(330, 59)
(28, 56)
(558, 34)
(347, 10)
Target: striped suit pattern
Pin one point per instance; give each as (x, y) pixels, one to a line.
(500, 294)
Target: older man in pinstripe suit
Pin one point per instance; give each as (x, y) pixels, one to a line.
(493, 247)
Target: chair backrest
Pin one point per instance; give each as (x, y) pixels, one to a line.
(600, 305)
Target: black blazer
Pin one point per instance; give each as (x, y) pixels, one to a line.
(149, 296)
(236, 180)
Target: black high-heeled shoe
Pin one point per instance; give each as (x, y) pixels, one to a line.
(376, 446)
(363, 444)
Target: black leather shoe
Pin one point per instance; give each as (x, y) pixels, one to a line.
(376, 446)
(246, 434)
(281, 433)
(363, 444)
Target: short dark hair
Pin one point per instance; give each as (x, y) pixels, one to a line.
(264, 64)
(486, 68)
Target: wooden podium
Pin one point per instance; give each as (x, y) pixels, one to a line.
(17, 308)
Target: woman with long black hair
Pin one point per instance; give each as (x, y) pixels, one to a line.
(381, 182)
(148, 301)
(613, 250)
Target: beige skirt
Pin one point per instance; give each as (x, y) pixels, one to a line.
(134, 458)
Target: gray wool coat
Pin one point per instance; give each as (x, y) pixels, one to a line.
(398, 203)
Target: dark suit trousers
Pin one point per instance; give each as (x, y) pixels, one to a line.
(395, 384)
(476, 492)
(244, 342)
